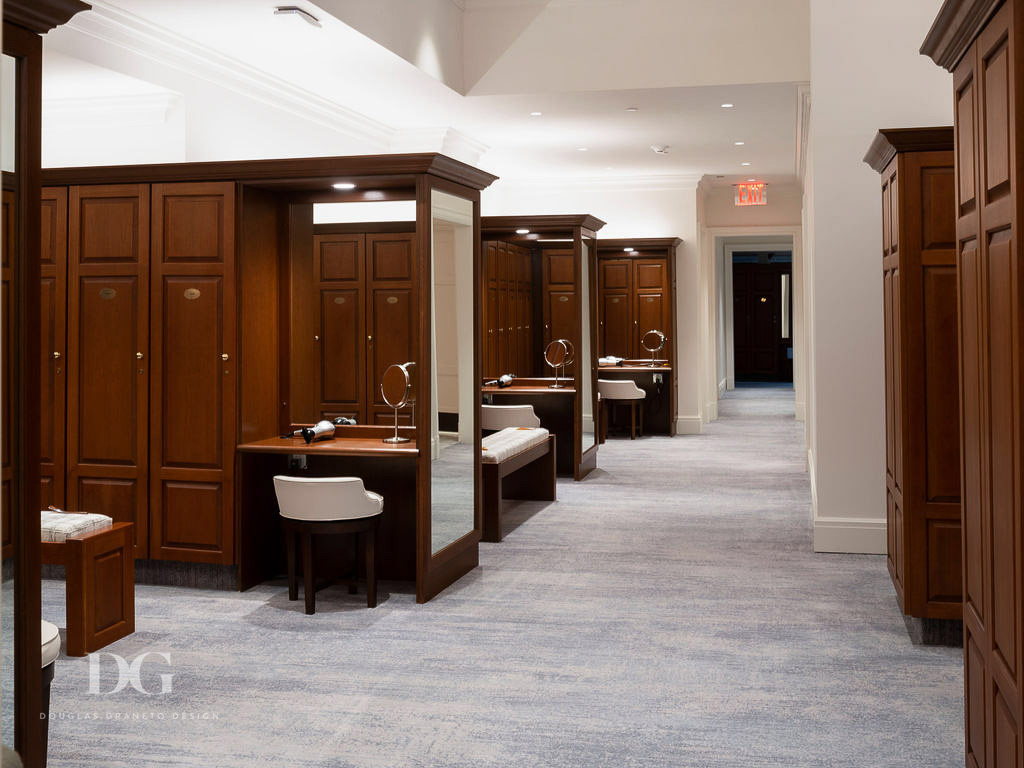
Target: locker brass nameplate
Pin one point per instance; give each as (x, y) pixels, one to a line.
(650, 300)
(392, 299)
(339, 299)
(107, 293)
(563, 298)
(615, 301)
(192, 294)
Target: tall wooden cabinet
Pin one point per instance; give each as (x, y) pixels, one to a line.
(635, 293)
(560, 310)
(508, 321)
(364, 320)
(921, 371)
(148, 388)
(981, 44)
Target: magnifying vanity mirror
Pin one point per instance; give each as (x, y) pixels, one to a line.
(653, 341)
(454, 439)
(559, 354)
(398, 389)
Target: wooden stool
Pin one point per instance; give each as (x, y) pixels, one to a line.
(324, 506)
(99, 568)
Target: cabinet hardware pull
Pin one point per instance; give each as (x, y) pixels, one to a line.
(138, 355)
(56, 355)
(225, 357)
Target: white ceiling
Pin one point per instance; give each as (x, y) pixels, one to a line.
(579, 62)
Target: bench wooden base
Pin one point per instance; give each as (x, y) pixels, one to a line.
(99, 586)
(529, 475)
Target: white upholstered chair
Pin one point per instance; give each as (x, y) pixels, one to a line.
(327, 505)
(624, 390)
(497, 417)
(50, 637)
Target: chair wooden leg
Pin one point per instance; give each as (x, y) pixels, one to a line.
(290, 545)
(632, 419)
(353, 586)
(640, 405)
(307, 571)
(369, 544)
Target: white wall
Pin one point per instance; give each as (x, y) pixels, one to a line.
(783, 209)
(665, 207)
(866, 74)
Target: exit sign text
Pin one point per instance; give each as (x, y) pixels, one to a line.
(754, 193)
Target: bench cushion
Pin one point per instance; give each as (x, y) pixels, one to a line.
(60, 526)
(511, 442)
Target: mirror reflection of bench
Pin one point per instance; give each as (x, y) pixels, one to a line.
(516, 463)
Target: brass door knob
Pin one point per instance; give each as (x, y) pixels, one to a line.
(56, 355)
(225, 357)
(316, 338)
(138, 355)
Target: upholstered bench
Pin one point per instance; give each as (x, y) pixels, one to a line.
(99, 566)
(517, 463)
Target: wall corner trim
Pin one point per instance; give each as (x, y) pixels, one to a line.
(854, 535)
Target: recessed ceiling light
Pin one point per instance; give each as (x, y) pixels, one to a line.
(609, 168)
(659, 149)
(628, 249)
(522, 231)
(727, 106)
(751, 179)
(344, 185)
(581, 149)
(633, 253)
(632, 109)
(744, 163)
(739, 143)
(294, 10)
(536, 114)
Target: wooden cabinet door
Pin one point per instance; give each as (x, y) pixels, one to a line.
(391, 315)
(524, 312)
(489, 310)
(560, 298)
(338, 266)
(615, 327)
(8, 230)
(990, 327)
(108, 353)
(652, 308)
(193, 420)
(53, 355)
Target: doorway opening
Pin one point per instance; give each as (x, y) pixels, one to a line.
(762, 315)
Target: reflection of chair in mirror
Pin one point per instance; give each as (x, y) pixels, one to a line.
(496, 417)
(516, 463)
(653, 341)
(50, 637)
(623, 390)
(397, 387)
(327, 505)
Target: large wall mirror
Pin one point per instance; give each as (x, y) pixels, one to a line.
(454, 437)
(586, 377)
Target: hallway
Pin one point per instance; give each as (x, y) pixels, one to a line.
(666, 611)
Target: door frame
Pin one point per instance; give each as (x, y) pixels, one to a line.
(730, 266)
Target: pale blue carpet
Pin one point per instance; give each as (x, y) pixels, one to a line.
(668, 611)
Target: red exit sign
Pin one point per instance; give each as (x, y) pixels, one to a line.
(753, 193)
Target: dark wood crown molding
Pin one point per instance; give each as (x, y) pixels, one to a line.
(889, 141)
(302, 168)
(955, 27)
(40, 16)
(639, 243)
(558, 222)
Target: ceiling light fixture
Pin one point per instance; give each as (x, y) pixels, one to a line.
(344, 185)
(628, 249)
(294, 10)
(660, 149)
(581, 149)
(522, 231)
(751, 179)
(632, 109)
(536, 114)
(727, 106)
(744, 163)
(634, 253)
(739, 143)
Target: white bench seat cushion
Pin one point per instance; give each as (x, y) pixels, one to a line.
(511, 442)
(60, 526)
(51, 643)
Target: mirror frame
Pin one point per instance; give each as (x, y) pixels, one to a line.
(437, 570)
(586, 457)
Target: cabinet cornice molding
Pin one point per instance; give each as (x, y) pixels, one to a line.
(955, 27)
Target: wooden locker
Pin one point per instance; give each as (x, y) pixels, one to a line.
(9, 233)
(338, 269)
(490, 310)
(192, 418)
(615, 335)
(560, 322)
(524, 314)
(53, 336)
(108, 354)
(391, 319)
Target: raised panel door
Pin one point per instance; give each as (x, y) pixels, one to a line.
(391, 319)
(616, 324)
(108, 354)
(192, 422)
(53, 324)
(559, 295)
(649, 314)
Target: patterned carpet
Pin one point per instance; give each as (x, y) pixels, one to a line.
(667, 611)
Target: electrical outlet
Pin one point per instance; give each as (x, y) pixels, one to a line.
(296, 462)
(659, 378)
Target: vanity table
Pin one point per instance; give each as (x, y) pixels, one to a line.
(658, 401)
(554, 408)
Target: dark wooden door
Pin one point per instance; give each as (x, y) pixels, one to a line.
(338, 269)
(53, 337)
(524, 313)
(759, 347)
(193, 420)
(490, 324)
(391, 320)
(8, 230)
(108, 354)
(986, 107)
(615, 329)
(560, 299)
(652, 305)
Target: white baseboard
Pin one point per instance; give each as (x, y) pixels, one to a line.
(730, 383)
(864, 536)
(710, 411)
(689, 425)
(723, 385)
(800, 410)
